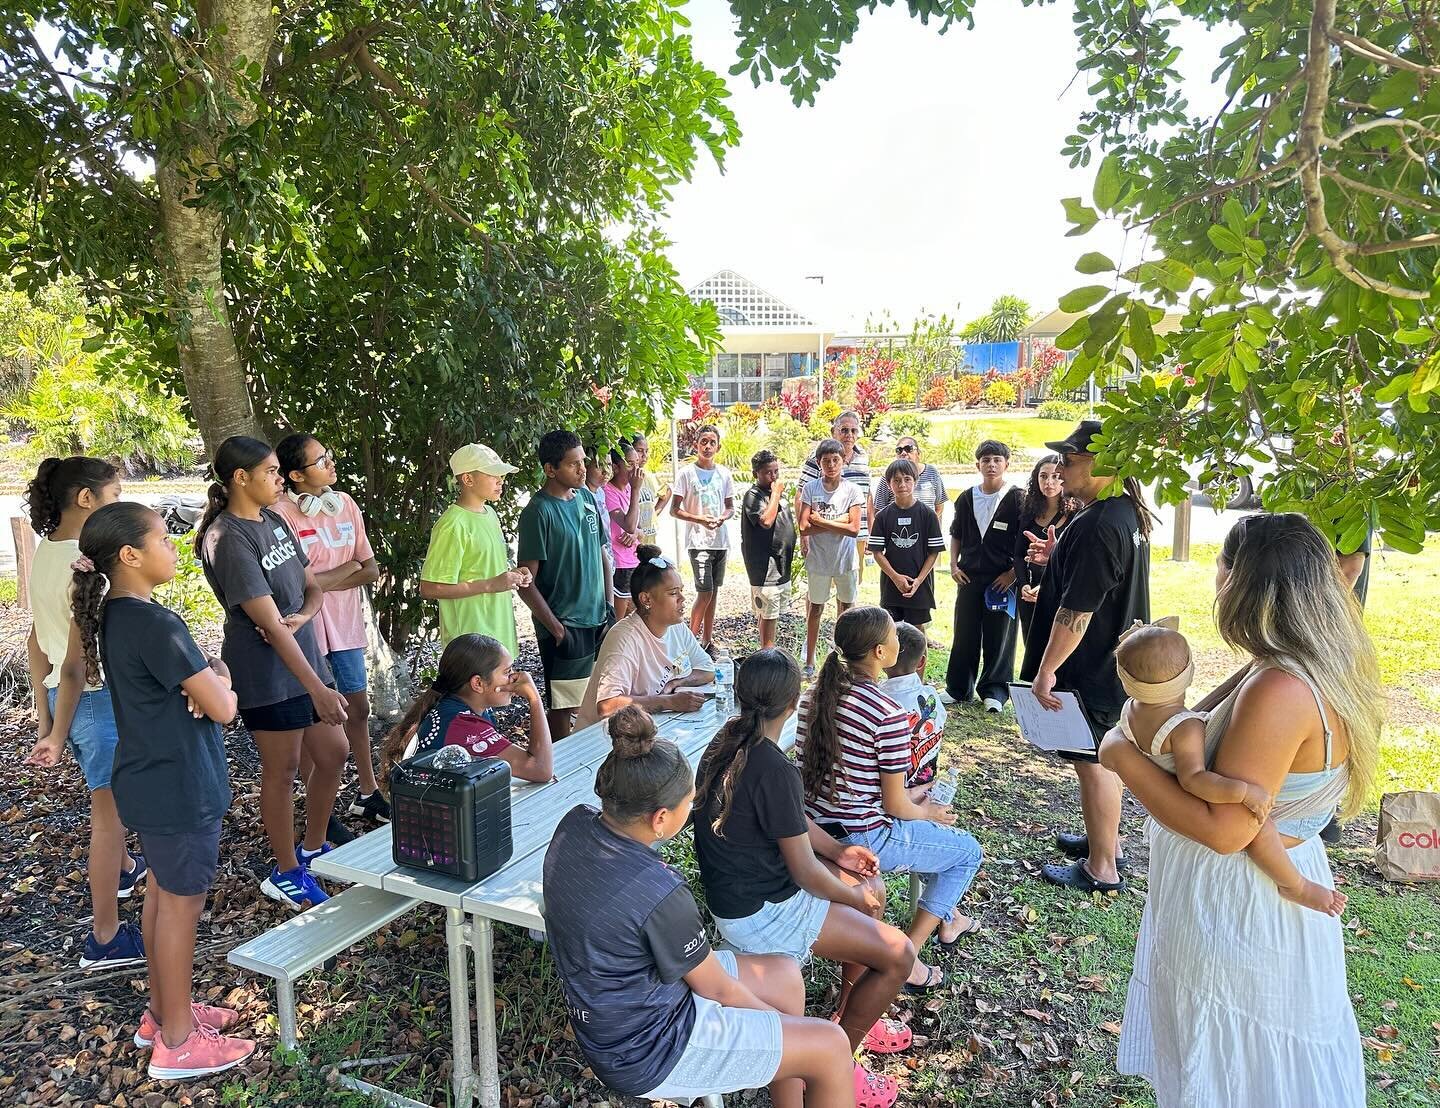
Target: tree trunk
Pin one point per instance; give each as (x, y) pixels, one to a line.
(194, 237)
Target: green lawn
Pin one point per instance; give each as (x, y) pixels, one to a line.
(1034, 1004)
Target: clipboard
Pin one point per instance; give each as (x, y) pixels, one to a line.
(1064, 732)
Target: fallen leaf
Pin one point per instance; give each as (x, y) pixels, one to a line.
(1110, 1026)
(1036, 1014)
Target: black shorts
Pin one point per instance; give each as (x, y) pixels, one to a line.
(568, 664)
(709, 569)
(622, 582)
(916, 617)
(183, 863)
(294, 714)
(1100, 721)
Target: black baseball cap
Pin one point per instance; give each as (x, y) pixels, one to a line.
(1078, 441)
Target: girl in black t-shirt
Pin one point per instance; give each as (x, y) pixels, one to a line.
(170, 780)
(658, 1013)
(1045, 505)
(287, 696)
(757, 852)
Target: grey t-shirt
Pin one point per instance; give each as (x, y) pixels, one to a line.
(831, 555)
(248, 558)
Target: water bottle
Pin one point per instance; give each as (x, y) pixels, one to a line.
(943, 792)
(724, 684)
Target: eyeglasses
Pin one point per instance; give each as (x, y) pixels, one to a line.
(904, 450)
(327, 458)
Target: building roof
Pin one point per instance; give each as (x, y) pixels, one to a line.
(742, 303)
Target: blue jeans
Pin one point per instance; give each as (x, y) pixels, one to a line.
(944, 858)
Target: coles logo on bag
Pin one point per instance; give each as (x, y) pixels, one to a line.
(1425, 840)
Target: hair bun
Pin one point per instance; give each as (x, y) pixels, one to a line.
(632, 732)
(647, 550)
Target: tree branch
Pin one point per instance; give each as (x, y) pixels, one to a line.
(1220, 189)
(1417, 202)
(1368, 50)
(1415, 242)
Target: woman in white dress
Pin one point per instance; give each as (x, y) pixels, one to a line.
(1238, 997)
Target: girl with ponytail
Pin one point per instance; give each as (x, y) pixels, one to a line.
(659, 1014)
(70, 709)
(853, 743)
(764, 885)
(476, 675)
(171, 782)
(287, 695)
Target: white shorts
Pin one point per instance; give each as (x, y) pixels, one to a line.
(846, 587)
(789, 927)
(729, 1049)
(769, 600)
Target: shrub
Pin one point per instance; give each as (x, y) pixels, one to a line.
(1060, 409)
(825, 415)
(936, 396)
(187, 594)
(740, 415)
(799, 405)
(789, 438)
(967, 389)
(957, 447)
(1000, 393)
(737, 446)
(870, 401)
(902, 391)
(900, 424)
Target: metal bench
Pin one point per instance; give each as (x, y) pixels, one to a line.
(304, 941)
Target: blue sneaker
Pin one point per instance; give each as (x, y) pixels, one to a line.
(295, 888)
(128, 881)
(307, 856)
(125, 949)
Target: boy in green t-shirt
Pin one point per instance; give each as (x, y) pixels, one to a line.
(467, 568)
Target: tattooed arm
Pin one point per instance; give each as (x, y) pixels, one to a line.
(1065, 635)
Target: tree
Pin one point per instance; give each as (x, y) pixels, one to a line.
(416, 225)
(1004, 322)
(1295, 230)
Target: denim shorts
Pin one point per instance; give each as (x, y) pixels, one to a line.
(294, 714)
(945, 859)
(790, 926)
(730, 1049)
(708, 566)
(183, 863)
(92, 736)
(348, 667)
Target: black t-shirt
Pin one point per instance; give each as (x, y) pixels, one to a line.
(170, 773)
(244, 559)
(623, 930)
(1100, 565)
(768, 551)
(907, 537)
(744, 870)
(1028, 573)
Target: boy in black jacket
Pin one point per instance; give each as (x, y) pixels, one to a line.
(982, 545)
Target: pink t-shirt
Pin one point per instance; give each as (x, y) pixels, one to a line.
(618, 500)
(330, 541)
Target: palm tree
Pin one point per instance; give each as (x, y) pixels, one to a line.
(1005, 322)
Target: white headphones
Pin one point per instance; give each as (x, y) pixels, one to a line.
(328, 502)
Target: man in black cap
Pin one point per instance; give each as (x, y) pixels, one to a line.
(1097, 582)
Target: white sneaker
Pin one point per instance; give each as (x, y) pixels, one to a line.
(993, 705)
(946, 698)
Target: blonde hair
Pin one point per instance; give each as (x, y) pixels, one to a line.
(1285, 603)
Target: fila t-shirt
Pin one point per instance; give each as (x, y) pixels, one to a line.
(331, 541)
(624, 931)
(248, 558)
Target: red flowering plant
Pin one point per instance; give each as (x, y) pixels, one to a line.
(800, 404)
(872, 389)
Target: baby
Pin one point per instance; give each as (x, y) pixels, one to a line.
(1156, 669)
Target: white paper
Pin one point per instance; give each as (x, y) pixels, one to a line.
(1046, 730)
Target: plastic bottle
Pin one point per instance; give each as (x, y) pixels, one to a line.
(724, 683)
(943, 792)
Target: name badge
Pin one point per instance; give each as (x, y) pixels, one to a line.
(903, 522)
(1000, 525)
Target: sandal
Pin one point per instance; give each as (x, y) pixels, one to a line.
(887, 1037)
(933, 980)
(973, 928)
(1078, 876)
(873, 1090)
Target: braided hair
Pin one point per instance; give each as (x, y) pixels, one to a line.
(107, 531)
(766, 688)
(58, 481)
(236, 452)
(858, 632)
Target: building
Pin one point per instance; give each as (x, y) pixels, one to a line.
(765, 342)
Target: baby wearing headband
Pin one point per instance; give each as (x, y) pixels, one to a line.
(1156, 669)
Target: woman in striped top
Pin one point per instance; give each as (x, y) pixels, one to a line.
(853, 744)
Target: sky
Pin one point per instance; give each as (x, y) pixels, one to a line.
(927, 175)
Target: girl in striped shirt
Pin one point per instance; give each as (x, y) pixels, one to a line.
(853, 744)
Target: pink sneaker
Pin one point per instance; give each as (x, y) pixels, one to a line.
(206, 1015)
(205, 1051)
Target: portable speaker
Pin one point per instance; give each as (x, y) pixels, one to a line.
(451, 821)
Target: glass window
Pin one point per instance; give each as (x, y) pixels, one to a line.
(726, 392)
(775, 366)
(750, 365)
(752, 391)
(727, 365)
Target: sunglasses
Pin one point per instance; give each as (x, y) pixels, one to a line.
(904, 450)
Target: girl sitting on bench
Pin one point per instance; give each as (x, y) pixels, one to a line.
(658, 1014)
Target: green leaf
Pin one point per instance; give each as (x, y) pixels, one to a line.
(1109, 183)
(1427, 376)
(1234, 216)
(1394, 389)
(1078, 213)
(1417, 336)
(1225, 239)
(1168, 274)
(1142, 336)
(1094, 262)
(1077, 300)
(1074, 335)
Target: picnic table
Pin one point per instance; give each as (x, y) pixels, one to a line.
(511, 895)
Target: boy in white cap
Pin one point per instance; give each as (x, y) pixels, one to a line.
(467, 568)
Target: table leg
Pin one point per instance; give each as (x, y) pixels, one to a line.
(481, 931)
(462, 1065)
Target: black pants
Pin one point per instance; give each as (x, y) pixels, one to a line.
(982, 655)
